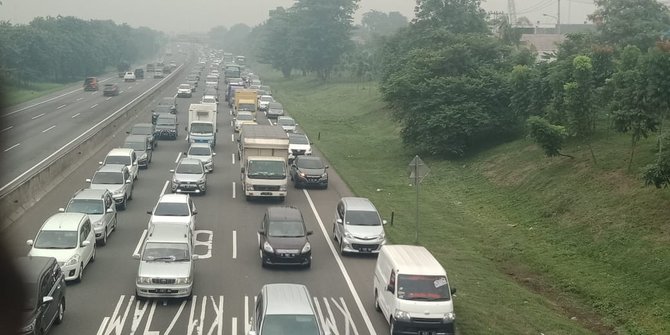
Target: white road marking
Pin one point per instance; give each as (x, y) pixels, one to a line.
(120, 92)
(74, 116)
(37, 116)
(176, 316)
(43, 102)
(231, 111)
(8, 128)
(233, 323)
(96, 105)
(139, 243)
(218, 321)
(101, 330)
(234, 188)
(80, 99)
(85, 133)
(338, 260)
(108, 98)
(139, 314)
(178, 156)
(233, 155)
(270, 122)
(232, 137)
(232, 123)
(207, 243)
(246, 314)
(61, 106)
(129, 87)
(12, 147)
(234, 246)
(165, 187)
(117, 322)
(45, 130)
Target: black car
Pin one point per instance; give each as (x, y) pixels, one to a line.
(139, 73)
(166, 127)
(170, 102)
(146, 129)
(309, 171)
(45, 291)
(283, 238)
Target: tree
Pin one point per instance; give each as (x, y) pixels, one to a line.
(458, 16)
(382, 24)
(631, 22)
(548, 136)
(279, 46)
(578, 102)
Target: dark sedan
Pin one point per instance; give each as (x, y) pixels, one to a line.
(283, 238)
(309, 171)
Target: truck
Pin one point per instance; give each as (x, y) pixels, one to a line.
(202, 123)
(151, 67)
(231, 71)
(246, 100)
(228, 57)
(262, 153)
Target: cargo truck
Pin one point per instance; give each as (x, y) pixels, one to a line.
(246, 100)
(202, 123)
(262, 152)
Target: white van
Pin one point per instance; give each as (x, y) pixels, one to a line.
(412, 291)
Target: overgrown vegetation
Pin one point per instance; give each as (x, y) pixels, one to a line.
(63, 49)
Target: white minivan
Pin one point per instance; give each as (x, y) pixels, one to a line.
(411, 289)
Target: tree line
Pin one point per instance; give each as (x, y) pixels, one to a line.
(63, 49)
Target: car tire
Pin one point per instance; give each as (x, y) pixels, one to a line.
(392, 328)
(138, 297)
(130, 196)
(61, 312)
(116, 221)
(377, 308)
(124, 204)
(342, 252)
(92, 260)
(103, 242)
(80, 276)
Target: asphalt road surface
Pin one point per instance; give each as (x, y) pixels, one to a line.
(229, 274)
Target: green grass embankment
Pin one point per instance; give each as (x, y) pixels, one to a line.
(533, 245)
(15, 95)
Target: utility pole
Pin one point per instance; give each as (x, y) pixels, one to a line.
(417, 171)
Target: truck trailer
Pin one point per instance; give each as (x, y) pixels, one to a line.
(263, 154)
(202, 123)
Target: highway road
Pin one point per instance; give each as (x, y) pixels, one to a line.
(229, 274)
(33, 130)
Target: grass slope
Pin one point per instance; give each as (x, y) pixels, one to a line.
(14, 95)
(534, 245)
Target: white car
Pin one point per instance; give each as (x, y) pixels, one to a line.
(242, 118)
(184, 90)
(209, 99)
(70, 239)
(298, 144)
(129, 76)
(264, 101)
(174, 208)
(203, 152)
(125, 156)
(287, 123)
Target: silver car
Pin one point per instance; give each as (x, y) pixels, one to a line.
(166, 263)
(204, 153)
(189, 177)
(358, 227)
(101, 210)
(117, 179)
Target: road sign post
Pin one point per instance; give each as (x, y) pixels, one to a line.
(418, 170)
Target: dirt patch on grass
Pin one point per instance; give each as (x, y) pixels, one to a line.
(561, 302)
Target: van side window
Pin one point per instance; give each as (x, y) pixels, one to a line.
(126, 175)
(108, 201)
(259, 313)
(340, 210)
(391, 284)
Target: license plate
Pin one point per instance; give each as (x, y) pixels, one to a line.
(369, 250)
(266, 193)
(425, 332)
(161, 290)
(288, 255)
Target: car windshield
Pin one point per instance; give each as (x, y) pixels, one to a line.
(137, 146)
(285, 229)
(425, 288)
(290, 324)
(286, 122)
(87, 206)
(107, 178)
(202, 128)
(189, 168)
(124, 160)
(298, 139)
(56, 239)
(166, 252)
(245, 117)
(142, 130)
(166, 102)
(309, 163)
(165, 122)
(199, 151)
(185, 86)
(363, 218)
(267, 98)
(172, 209)
(266, 169)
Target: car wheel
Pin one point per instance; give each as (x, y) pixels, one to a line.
(80, 275)
(130, 196)
(61, 312)
(138, 297)
(116, 221)
(334, 233)
(392, 330)
(342, 252)
(93, 254)
(124, 204)
(104, 238)
(377, 308)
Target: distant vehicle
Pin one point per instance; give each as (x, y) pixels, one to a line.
(115, 178)
(184, 91)
(309, 171)
(122, 68)
(146, 129)
(242, 118)
(139, 73)
(170, 102)
(158, 73)
(264, 101)
(151, 67)
(275, 110)
(174, 209)
(298, 144)
(287, 123)
(129, 76)
(284, 309)
(110, 90)
(143, 149)
(91, 84)
(166, 126)
(125, 156)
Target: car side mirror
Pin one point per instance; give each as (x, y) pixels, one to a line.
(242, 169)
(88, 181)
(309, 232)
(47, 299)
(109, 210)
(326, 166)
(186, 128)
(128, 132)
(185, 153)
(149, 212)
(339, 221)
(453, 290)
(195, 211)
(171, 171)
(134, 163)
(213, 153)
(99, 163)
(261, 232)
(128, 181)
(30, 243)
(85, 243)
(61, 210)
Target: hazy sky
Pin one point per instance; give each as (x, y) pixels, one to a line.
(201, 15)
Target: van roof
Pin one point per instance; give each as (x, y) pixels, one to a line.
(412, 259)
(64, 221)
(287, 299)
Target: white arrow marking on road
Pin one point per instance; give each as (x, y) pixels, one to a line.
(37, 116)
(138, 315)
(338, 260)
(45, 130)
(105, 320)
(233, 323)
(218, 321)
(80, 99)
(74, 116)
(234, 244)
(120, 92)
(176, 316)
(108, 98)
(12, 147)
(96, 105)
(147, 328)
(8, 128)
(61, 106)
